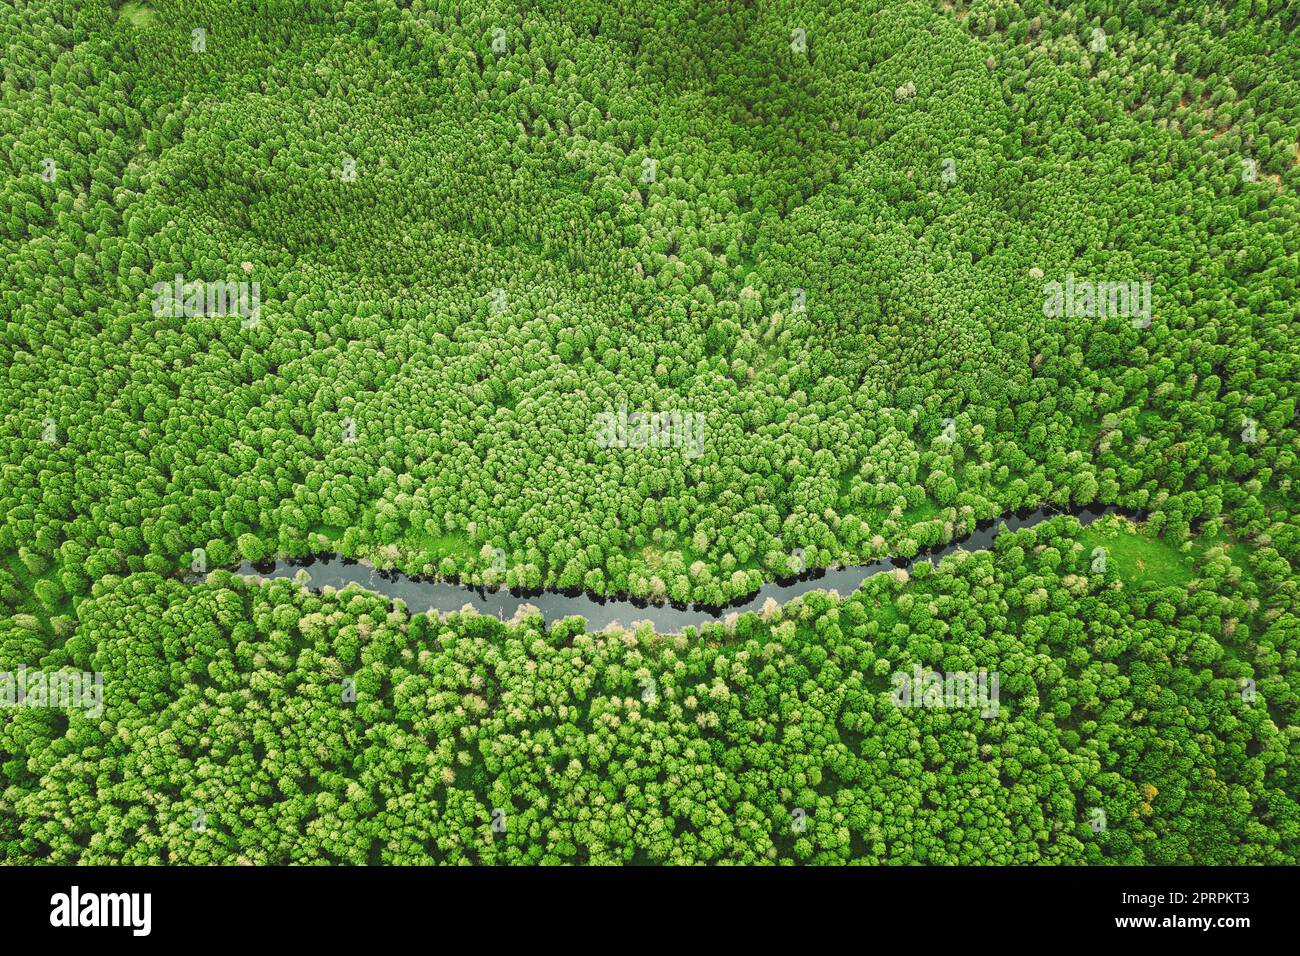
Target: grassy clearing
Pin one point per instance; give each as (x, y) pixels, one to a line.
(1140, 559)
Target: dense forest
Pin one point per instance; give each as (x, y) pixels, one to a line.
(665, 300)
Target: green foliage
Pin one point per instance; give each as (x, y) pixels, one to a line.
(654, 207)
(632, 747)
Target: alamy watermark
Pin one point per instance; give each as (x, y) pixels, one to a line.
(220, 298)
(66, 690)
(1083, 298)
(684, 430)
(951, 690)
(75, 908)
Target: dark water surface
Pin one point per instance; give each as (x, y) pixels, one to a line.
(421, 595)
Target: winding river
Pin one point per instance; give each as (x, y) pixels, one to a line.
(421, 595)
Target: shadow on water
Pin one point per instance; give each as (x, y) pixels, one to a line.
(420, 594)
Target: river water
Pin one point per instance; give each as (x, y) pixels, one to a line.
(421, 595)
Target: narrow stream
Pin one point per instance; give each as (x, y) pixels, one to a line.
(421, 595)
